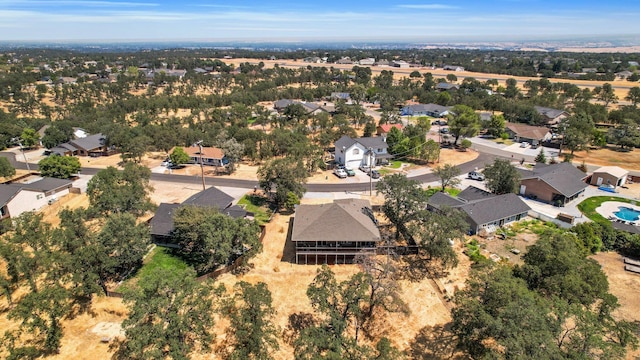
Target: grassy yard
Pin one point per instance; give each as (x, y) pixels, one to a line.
(395, 164)
(159, 258)
(258, 205)
(450, 191)
(588, 207)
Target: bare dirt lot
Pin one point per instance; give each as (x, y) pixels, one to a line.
(629, 160)
(625, 286)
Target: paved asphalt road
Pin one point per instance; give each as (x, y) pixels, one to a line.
(479, 162)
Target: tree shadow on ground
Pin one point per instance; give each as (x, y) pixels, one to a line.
(297, 322)
(434, 342)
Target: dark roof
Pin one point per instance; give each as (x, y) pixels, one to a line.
(162, 221)
(89, 143)
(428, 108)
(446, 86)
(473, 193)
(626, 227)
(549, 112)
(368, 142)
(7, 192)
(342, 220)
(282, 103)
(564, 177)
(45, 184)
(495, 208)
(443, 199)
(210, 197)
(480, 206)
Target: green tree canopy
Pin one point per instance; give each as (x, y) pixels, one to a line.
(252, 331)
(61, 167)
(208, 238)
(502, 177)
(170, 316)
(114, 191)
(448, 175)
(6, 169)
(463, 121)
(178, 156)
(284, 175)
(403, 199)
(30, 138)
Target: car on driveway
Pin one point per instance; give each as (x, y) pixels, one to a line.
(476, 175)
(350, 171)
(364, 168)
(374, 174)
(340, 173)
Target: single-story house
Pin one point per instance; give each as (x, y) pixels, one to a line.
(310, 108)
(368, 151)
(92, 145)
(609, 175)
(554, 183)
(400, 64)
(531, 134)
(340, 96)
(367, 61)
(443, 86)
(30, 194)
(212, 156)
(453, 68)
(483, 210)
(383, 130)
(552, 117)
(433, 110)
(334, 233)
(162, 221)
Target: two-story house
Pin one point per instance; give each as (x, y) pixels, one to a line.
(367, 151)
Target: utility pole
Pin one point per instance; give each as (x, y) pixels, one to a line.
(23, 154)
(199, 143)
(370, 174)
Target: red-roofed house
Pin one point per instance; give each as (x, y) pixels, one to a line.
(210, 155)
(383, 130)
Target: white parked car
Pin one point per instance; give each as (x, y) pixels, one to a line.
(476, 175)
(339, 172)
(524, 144)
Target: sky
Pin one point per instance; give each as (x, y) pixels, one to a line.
(383, 20)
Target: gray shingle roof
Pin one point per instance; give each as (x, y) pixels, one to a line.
(429, 108)
(342, 220)
(90, 142)
(473, 193)
(162, 221)
(46, 184)
(495, 208)
(548, 112)
(563, 177)
(482, 207)
(368, 142)
(211, 197)
(7, 192)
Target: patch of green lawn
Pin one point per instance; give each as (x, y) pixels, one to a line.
(395, 164)
(258, 206)
(159, 258)
(588, 206)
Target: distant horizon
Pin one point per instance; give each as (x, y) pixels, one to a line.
(125, 21)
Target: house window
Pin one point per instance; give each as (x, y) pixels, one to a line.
(356, 151)
(379, 150)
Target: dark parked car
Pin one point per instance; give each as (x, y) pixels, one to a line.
(374, 174)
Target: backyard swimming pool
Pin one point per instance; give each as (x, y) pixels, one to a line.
(627, 214)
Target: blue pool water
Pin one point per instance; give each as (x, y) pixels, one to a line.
(627, 214)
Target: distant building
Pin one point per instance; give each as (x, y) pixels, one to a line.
(433, 110)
